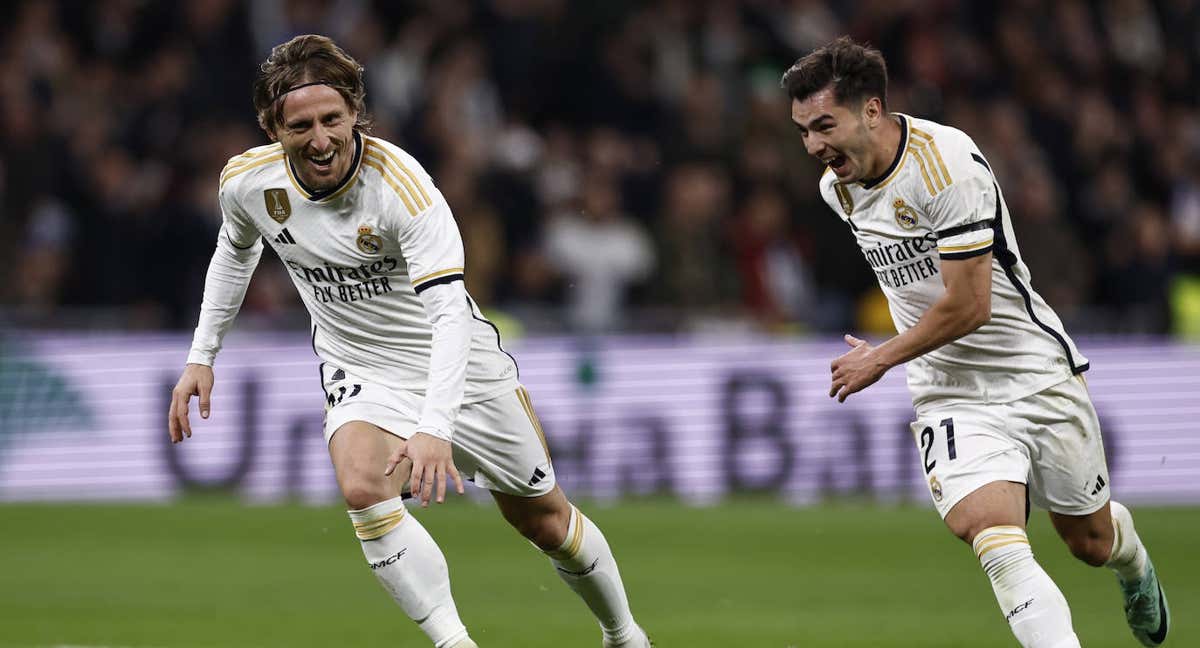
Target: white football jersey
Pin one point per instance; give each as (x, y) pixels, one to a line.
(939, 201)
(359, 254)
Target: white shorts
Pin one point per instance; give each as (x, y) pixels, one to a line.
(1049, 441)
(498, 443)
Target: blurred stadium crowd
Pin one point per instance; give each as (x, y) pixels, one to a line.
(613, 165)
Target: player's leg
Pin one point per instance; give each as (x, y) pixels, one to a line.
(503, 439)
(400, 552)
(976, 470)
(1089, 537)
(1108, 537)
(1071, 479)
(992, 520)
(581, 556)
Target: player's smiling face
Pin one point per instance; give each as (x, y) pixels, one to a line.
(317, 133)
(836, 134)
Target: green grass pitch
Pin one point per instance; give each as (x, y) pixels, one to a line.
(748, 573)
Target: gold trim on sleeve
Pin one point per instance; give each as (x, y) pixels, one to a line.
(965, 248)
(435, 275)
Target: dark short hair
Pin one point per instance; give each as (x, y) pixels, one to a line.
(856, 73)
(308, 59)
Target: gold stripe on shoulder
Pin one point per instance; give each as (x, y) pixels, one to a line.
(391, 156)
(370, 161)
(376, 154)
(251, 155)
(259, 151)
(924, 171)
(940, 166)
(925, 153)
(226, 177)
(402, 174)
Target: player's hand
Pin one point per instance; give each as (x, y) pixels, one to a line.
(432, 466)
(197, 380)
(855, 370)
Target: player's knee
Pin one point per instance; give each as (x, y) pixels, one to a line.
(967, 529)
(1091, 547)
(547, 530)
(363, 493)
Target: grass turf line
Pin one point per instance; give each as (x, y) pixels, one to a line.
(748, 573)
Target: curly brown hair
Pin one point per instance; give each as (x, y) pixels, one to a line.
(308, 59)
(857, 73)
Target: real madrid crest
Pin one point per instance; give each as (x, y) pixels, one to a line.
(278, 206)
(367, 242)
(906, 217)
(935, 487)
(843, 195)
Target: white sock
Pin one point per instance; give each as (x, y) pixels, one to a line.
(586, 565)
(1129, 555)
(1032, 604)
(411, 567)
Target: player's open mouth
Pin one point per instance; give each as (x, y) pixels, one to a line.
(322, 162)
(839, 164)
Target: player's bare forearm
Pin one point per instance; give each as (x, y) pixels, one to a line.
(964, 307)
(945, 322)
(864, 364)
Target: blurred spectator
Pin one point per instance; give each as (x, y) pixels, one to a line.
(696, 273)
(773, 261)
(1059, 264)
(1185, 216)
(1136, 277)
(602, 252)
(120, 114)
(44, 260)
(482, 232)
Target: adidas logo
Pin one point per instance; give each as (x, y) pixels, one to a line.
(538, 476)
(285, 238)
(1099, 484)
